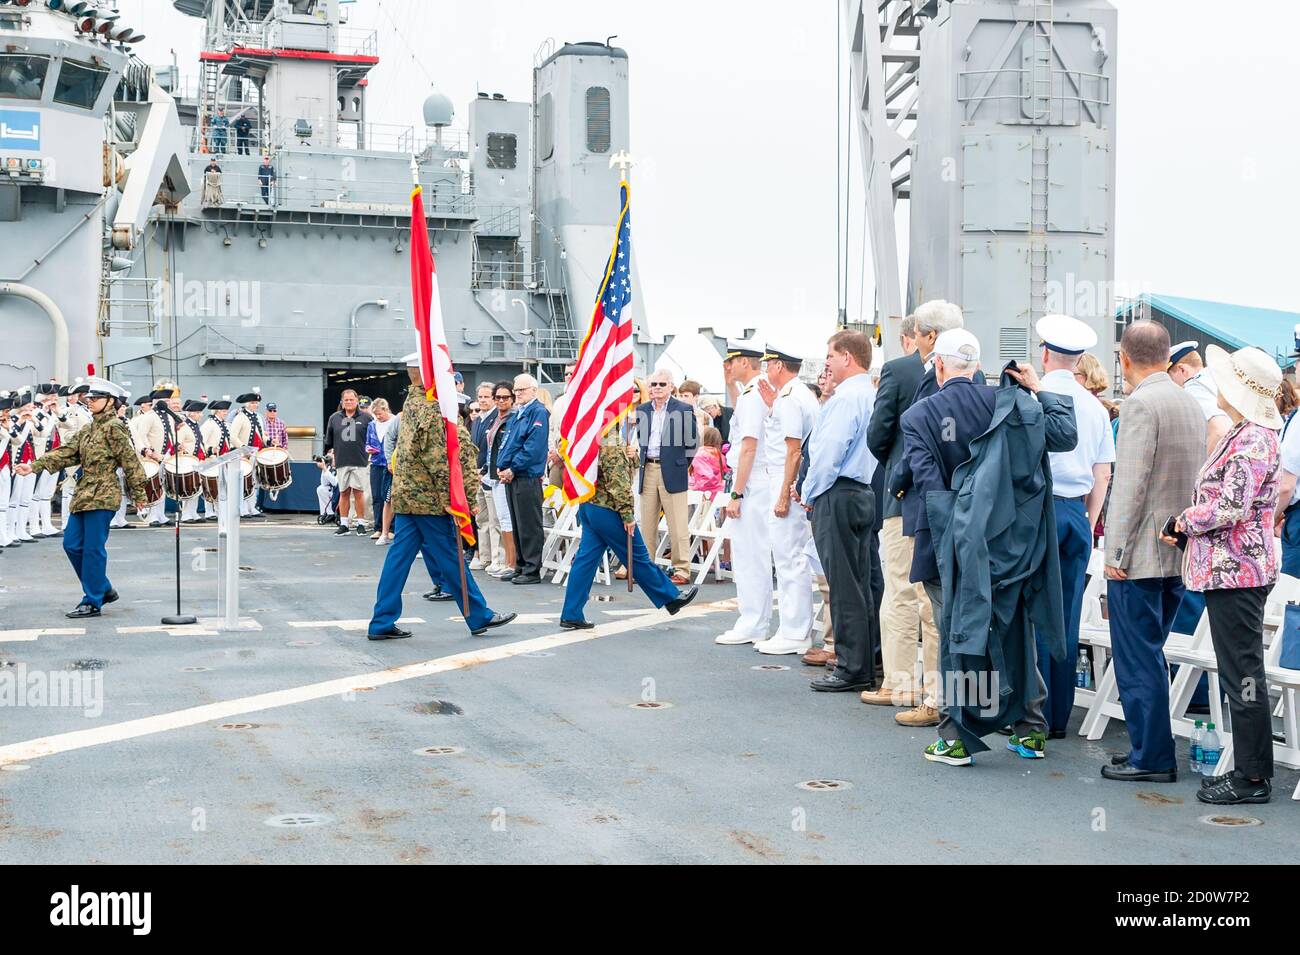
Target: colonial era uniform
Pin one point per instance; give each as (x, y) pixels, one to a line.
(603, 519)
(7, 430)
(422, 521)
(247, 431)
(73, 418)
(46, 438)
(216, 440)
(191, 441)
(22, 450)
(98, 450)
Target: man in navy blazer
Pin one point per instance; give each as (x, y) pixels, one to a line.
(521, 462)
(668, 436)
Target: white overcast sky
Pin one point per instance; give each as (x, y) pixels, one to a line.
(733, 117)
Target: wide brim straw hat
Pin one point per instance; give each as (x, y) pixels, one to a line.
(1249, 380)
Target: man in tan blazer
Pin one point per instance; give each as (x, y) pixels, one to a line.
(1160, 449)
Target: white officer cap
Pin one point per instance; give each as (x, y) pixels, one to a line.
(739, 348)
(1064, 334)
(784, 351)
(1181, 351)
(959, 344)
(104, 388)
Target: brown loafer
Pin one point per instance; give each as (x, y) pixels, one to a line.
(880, 697)
(920, 716)
(817, 657)
(679, 578)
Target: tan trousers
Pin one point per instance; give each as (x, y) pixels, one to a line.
(824, 588)
(905, 615)
(491, 550)
(655, 498)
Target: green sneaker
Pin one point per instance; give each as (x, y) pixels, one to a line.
(953, 752)
(1033, 746)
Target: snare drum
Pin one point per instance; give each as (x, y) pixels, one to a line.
(153, 485)
(274, 470)
(181, 477)
(210, 475)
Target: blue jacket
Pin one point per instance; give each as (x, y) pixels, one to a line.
(678, 442)
(937, 433)
(996, 547)
(478, 434)
(524, 449)
(899, 477)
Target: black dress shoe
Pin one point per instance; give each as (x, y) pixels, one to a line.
(1056, 734)
(1120, 759)
(685, 597)
(1129, 773)
(576, 625)
(438, 594)
(111, 597)
(392, 633)
(498, 620)
(526, 579)
(830, 683)
(83, 610)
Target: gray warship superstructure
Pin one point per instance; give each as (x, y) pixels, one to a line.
(289, 268)
(995, 121)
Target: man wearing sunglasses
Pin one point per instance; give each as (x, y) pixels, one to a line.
(669, 437)
(520, 466)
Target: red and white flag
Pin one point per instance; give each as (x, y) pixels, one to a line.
(602, 385)
(436, 371)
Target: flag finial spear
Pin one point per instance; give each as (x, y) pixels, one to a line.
(415, 171)
(623, 159)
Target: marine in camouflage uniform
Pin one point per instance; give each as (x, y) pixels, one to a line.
(422, 521)
(606, 519)
(98, 449)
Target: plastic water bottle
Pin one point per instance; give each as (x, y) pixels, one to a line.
(1083, 672)
(1195, 757)
(1210, 750)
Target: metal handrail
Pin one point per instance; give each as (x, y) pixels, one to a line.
(1102, 85)
(243, 186)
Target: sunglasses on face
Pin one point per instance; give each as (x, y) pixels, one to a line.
(658, 384)
(504, 397)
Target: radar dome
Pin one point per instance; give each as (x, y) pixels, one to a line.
(438, 110)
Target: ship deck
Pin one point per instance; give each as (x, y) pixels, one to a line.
(297, 742)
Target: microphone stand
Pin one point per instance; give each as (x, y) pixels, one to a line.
(178, 619)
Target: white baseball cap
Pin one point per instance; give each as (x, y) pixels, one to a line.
(959, 344)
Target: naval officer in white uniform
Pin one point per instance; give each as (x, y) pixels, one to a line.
(1188, 371)
(790, 420)
(1079, 482)
(751, 548)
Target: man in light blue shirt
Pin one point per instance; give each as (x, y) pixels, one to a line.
(838, 492)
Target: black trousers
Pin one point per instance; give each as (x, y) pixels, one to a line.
(842, 520)
(1237, 630)
(524, 498)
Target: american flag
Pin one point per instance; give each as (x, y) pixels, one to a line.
(601, 389)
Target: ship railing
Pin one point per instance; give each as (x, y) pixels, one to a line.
(1073, 88)
(498, 220)
(241, 185)
(366, 137)
(358, 41)
(252, 341)
(503, 275)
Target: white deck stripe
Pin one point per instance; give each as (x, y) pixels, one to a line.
(19, 636)
(193, 716)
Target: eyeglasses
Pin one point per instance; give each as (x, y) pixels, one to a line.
(658, 384)
(504, 397)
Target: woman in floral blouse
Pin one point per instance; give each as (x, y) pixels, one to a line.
(1232, 558)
